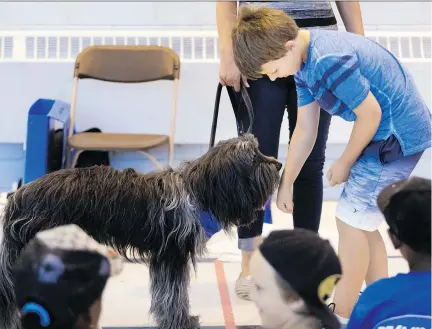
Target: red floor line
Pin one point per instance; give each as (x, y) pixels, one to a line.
(224, 296)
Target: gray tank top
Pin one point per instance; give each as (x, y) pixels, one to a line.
(307, 14)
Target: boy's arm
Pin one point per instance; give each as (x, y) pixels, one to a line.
(351, 15)
(302, 140)
(301, 145)
(305, 132)
(342, 76)
(365, 126)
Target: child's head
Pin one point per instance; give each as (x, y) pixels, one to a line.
(294, 273)
(265, 42)
(59, 279)
(406, 206)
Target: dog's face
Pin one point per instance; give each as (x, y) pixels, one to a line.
(233, 180)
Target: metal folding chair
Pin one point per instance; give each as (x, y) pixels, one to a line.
(124, 64)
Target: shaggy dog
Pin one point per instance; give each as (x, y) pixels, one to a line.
(151, 218)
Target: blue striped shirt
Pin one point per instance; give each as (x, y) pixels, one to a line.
(340, 71)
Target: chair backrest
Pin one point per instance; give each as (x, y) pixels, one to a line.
(127, 64)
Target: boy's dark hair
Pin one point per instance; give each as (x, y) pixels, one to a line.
(259, 36)
(406, 206)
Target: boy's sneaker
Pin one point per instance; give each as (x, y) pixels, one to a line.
(243, 287)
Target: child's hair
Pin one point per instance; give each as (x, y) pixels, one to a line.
(259, 36)
(59, 275)
(406, 206)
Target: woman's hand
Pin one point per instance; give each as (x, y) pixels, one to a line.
(229, 74)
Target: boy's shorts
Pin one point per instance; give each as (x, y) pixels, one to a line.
(357, 206)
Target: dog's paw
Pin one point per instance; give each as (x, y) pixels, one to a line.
(194, 322)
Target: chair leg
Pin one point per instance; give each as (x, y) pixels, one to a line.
(71, 161)
(68, 157)
(75, 158)
(170, 152)
(153, 159)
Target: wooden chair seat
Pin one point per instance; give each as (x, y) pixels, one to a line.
(113, 142)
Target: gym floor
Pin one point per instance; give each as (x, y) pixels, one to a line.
(126, 299)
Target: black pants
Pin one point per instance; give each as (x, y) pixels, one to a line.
(270, 99)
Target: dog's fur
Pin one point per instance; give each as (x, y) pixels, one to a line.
(152, 217)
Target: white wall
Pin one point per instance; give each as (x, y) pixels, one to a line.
(137, 108)
(383, 15)
(25, 82)
(22, 83)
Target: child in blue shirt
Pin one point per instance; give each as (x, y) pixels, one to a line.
(354, 78)
(403, 301)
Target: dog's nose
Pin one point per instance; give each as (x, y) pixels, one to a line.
(270, 159)
(278, 166)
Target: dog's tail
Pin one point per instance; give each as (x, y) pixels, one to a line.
(8, 254)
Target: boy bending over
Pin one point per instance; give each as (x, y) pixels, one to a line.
(355, 78)
(403, 301)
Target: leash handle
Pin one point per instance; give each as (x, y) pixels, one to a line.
(215, 115)
(237, 107)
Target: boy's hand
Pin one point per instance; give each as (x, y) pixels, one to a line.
(338, 172)
(284, 198)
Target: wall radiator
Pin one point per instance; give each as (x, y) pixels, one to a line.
(193, 46)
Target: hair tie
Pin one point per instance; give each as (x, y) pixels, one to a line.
(43, 314)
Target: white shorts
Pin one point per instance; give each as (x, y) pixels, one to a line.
(357, 206)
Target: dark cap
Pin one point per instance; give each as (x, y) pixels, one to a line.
(60, 274)
(309, 265)
(406, 206)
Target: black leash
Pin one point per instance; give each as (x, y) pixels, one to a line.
(237, 109)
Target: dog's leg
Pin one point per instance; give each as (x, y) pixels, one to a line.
(9, 252)
(169, 280)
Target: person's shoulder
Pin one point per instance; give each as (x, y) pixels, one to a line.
(330, 42)
(386, 288)
(378, 286)
(383, 298)
(371, 302)
(378, 290)
(327, 50)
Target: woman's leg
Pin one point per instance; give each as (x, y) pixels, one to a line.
(268, 99)
(308, 187)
